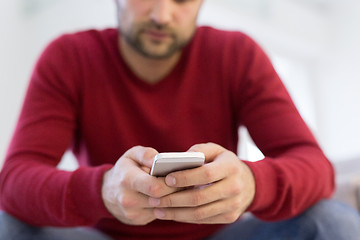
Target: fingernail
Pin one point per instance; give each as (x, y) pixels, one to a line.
(170, 181)
(159, 213)
(154, 202)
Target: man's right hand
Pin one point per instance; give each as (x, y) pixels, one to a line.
(128, 185)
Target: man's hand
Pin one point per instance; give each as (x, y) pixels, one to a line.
(127, 187)
(224, 188)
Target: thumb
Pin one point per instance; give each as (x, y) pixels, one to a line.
(210, 150)
(144, 156)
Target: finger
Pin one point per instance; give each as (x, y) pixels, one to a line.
(200, 214)
(224, 218)
(132, 200)
(143, 156)
(149, 185)
(206, 174)
(137, 216)
(199, 195)
(146, 169)
(135, 176)
(142, 217)
(210, 150)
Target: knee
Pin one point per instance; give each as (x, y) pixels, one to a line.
(333, 211)
(6, 225)
(11, 228)
(332, 216)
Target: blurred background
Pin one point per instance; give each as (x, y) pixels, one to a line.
(314, 45)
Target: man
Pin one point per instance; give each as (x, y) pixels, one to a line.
(164, 83)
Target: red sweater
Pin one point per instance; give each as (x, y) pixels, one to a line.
(83, 96)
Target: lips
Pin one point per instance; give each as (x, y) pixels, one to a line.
(157, 35)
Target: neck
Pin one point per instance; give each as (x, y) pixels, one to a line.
(149, 70)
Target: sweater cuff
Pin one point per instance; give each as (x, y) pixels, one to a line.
(265, 184)
(85, 189)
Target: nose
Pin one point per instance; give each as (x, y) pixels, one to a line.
(161, 12)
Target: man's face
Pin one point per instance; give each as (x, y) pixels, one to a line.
(157, 28)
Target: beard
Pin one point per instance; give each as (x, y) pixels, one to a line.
(154, 48)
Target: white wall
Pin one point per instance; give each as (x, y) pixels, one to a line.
(338, 85)
(314, 49)
(13, 69)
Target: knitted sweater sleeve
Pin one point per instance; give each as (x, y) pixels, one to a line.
(31, 186)
(295, 173)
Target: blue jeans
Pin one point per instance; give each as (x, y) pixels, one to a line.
(328, 220)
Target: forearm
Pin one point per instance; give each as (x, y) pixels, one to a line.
(40, 194)
(289, 184)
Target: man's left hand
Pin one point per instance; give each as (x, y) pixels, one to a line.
(218, 192)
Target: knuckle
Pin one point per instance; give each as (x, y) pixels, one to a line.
(198, 214)
(132, 150)
(235, 189)
(124, 182)
(168, 201)
(149, 152)
(154, 190)
(126, 202)
(208, 174)
(196, 199)
(183, 179)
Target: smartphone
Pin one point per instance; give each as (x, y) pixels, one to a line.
(165, 163)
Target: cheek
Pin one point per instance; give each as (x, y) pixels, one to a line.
(125, 22)
(188, 16)
(187, 23)
(139, 8)
(132, 11)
